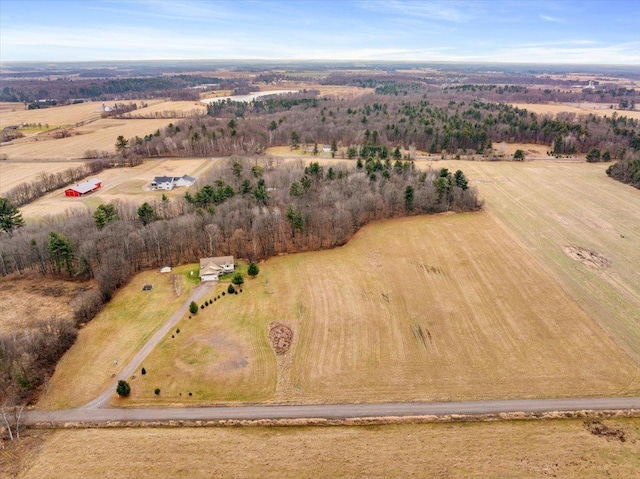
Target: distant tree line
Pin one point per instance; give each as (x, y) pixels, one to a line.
(65, 89)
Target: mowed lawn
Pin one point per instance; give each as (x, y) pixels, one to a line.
(108, 342)
(445, 307)
(532, 449)
(548, 205)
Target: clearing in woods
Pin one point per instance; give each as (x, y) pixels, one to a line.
(577, 108)
(562, 448)
(445, 307)
(124, 184)
(108, 342)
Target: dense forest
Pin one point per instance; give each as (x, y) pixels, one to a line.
(252, 208)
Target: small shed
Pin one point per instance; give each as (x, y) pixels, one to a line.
(166, 269)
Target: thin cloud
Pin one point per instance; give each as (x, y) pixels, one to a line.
(551, 19)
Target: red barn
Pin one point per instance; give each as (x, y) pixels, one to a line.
(83, 188)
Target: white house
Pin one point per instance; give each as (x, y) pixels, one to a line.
(163, 183)
(212, 268)
(170, 182)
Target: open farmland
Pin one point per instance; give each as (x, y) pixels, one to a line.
(106, 344)
(562, 448)
(12, 173)
(450, 308)
(562, 212)
(125, 184)
(599, 109)
(88, 131)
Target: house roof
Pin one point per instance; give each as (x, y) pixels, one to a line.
(86, 186)
(163, 179)
(188, 178)
(214, 265)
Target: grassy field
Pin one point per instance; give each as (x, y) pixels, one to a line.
(554, 448)
(451, 308)
(126, 184)
(13, 173)
(577, 108)
(108, 342)
(88, 130)
(549, 205)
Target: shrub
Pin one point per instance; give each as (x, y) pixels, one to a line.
(223, 293)
(231, 289)
(202, 306)
(157, 391)
(206, 303)
(253, 270)
(143, 372)
(237, 279)
(123, 389)
(193, 307)
(178, 331)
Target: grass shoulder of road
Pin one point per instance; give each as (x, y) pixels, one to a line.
(560, 448)
(108, 342)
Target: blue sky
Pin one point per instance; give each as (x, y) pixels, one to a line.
(536, 31)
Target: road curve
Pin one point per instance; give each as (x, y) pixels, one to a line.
(196, 295)
(332, 411)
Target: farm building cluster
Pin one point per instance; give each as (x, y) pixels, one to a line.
(83, 188)
(170, 182)
(212, 268)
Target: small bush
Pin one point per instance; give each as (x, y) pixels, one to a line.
(178, 331)
(143, 372)
(231, 289)
(223, 293)
(123, 389)
(202, 306)
(206, 303)
(157, 391)
(193, 308)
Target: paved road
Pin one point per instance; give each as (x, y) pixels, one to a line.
(332, 411)
(196, 295)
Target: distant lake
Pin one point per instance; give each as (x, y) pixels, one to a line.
(249, 97)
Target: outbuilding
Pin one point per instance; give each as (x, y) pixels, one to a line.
(83, 188)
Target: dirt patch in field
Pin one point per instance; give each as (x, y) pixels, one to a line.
(280, 337)
(596, 428)
(593, 259)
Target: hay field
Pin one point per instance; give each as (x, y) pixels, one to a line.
(444, 307)
(68, 115)
(168, 107)
(554, 448)
(125, 184)
(577, 108)
(97, 135)
(550, 206)
(116, 334)
(12, 173)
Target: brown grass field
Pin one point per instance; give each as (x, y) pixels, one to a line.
(115, 334)
(536, 449)
(88, 130)
(577, 108)
(453, 308)
(13, 173)
(30, 298)
(552, 205)
(126, 184)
